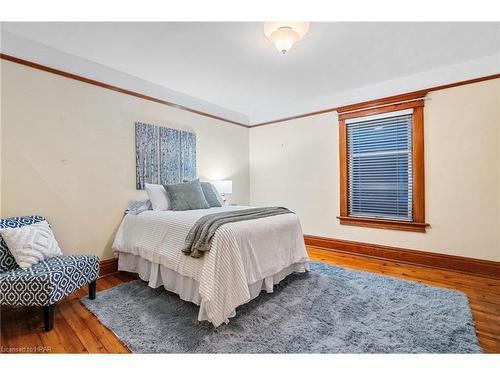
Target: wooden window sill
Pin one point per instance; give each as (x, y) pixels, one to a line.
(383, 224)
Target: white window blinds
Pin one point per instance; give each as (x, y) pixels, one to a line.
(380, 166)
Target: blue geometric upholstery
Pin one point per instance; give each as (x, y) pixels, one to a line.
(46, 282)
(49, 281)
(7, 261)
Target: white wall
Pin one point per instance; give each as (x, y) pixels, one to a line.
(480, 67)
(27, 49)
(295, 164)
(68, 152)
(1, 62)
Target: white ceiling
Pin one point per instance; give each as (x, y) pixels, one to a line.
(234, 66)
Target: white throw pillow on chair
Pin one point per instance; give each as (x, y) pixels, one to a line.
(158, 197)
(31, 244)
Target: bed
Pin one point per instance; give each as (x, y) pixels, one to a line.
(245, 257)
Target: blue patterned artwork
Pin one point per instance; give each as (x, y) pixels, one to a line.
(146, 154)
(177, 156)
(188, 156)
(170, 156)
(164, 155)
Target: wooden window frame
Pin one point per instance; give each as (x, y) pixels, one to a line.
(418, 205)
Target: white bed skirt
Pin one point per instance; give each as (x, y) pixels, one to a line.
(188, 288)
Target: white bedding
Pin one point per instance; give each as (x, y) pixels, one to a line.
(242, 253)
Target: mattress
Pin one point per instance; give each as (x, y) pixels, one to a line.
(242, 255)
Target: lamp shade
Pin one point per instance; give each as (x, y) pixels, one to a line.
(223, 186)
(285, 34)
(284, 38)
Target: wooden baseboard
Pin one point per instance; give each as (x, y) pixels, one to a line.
(414, 257)
(473, 266)
(108, 267)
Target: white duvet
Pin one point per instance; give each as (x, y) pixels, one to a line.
(242, 253)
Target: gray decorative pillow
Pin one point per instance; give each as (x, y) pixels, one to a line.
(211, 194)
(138, 206)
(186, 196)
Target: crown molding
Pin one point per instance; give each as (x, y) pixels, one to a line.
(113, 88)
(382, 101)
(339, 109)
(52, 60)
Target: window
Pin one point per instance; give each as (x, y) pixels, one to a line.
(381, 166)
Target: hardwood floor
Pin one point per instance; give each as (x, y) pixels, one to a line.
(483, 293)
(76, 330)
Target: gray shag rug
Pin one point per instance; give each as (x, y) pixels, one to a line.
(327, 310)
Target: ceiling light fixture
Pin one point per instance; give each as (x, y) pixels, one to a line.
(285, 34)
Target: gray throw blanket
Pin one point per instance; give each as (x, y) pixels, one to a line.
(199, 238)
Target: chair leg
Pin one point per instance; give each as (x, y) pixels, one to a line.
(92, 286)
(48, 317)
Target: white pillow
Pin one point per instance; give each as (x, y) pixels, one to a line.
(31, 244)
(158, 197)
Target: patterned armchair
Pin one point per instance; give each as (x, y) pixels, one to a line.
(44, 283)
